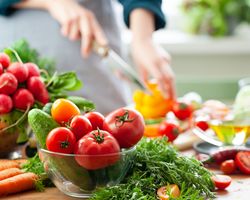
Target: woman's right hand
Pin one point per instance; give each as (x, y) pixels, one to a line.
(77, 22)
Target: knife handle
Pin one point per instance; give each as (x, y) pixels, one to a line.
(101, 50)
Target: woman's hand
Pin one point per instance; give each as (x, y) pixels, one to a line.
(154, 62)
(77, 22)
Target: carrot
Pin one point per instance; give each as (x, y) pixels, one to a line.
(6, 164)
(18, 183)
(7, 173)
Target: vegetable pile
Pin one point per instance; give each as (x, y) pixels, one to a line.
(20, 85)
(70, 132)
(25, 85)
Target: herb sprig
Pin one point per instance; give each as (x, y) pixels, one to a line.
(156, 165)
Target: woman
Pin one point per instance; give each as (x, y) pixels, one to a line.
(85, 21)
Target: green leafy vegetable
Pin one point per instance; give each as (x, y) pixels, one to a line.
(156, 165)
(35, 166)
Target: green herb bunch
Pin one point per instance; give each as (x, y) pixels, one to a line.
(215, 17)
(158, 164)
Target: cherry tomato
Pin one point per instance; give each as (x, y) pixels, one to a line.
(96, 119)
(182, 110)
(165, 192)
(63, 111)
(80, 126)
(242, 161)
(97, 150)
(203, 125)
(170, 130)
(221, 181)
(228, 167)
(61, 140)
(126, 125)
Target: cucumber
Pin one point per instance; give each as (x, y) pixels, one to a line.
(47, 108)
(41, 123)
(82, 103)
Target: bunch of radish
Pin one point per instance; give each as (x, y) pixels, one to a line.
(20, 85)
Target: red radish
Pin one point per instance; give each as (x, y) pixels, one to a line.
(8, 83)
(22, 99)
(5, 104)
(1, 68)
(19, 70)
(33, 69)
(4, 60)
(38, 89)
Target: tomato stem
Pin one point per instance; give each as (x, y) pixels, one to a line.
(120, 120)
(64, 144)
(98, 137)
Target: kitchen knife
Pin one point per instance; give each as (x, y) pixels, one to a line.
(128, 71)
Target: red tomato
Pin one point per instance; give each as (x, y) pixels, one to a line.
(61, 140)
(165, 192)
(126, 125)
(228, 167)
(182, 110)
(96, 119)
(242, 161)
(170, 130)
(221, 181)
(97, 150)
(203, 125)
(80, 126)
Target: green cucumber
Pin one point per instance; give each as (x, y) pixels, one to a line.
(41, 123)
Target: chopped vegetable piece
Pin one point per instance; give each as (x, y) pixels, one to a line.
(221, 181)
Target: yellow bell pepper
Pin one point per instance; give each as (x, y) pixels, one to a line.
(152, 105)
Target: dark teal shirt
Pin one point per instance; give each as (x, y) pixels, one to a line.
(129, 5)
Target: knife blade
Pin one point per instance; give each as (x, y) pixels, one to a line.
(128, 71)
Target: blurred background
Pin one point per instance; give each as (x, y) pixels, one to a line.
(209, 41)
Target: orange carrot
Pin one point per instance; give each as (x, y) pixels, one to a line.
(7, 173)
(6, 164)
(18, 183)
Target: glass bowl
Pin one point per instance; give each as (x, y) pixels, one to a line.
(230, 132)
(73, 179)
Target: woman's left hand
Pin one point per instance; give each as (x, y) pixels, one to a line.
(152, 61)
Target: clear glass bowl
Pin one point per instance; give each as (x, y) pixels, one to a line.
(77, 181)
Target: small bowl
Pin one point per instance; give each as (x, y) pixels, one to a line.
(230, 132)
(74, 180)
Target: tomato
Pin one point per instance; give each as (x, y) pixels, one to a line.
(170, 130)
(64, 110)
(126, 125)
(242, 161)
(221, 181)
(97, 150)
(165, 192)
(80, 126)
(228, 167)
(203, 125)
(182, 110)
(96, 119)
(61, 140)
